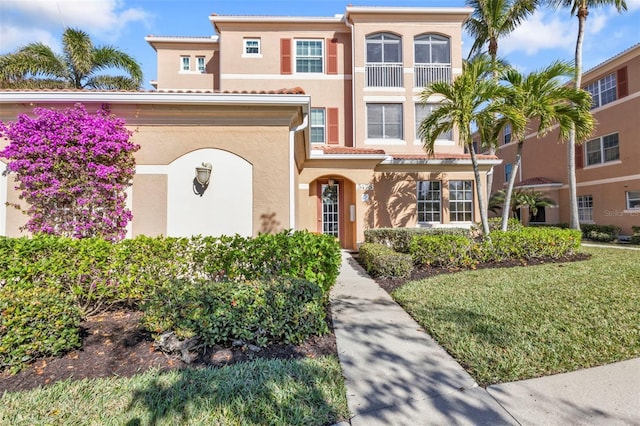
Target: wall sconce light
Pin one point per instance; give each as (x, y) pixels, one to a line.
(332, 182)
(203, 176)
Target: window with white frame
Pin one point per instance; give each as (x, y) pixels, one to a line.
(507, 171)
(422, 112)
(506, 133)
(602, 149)
(200, 64)
(633, 199)
(185, 63)
(585, 208)
(384, 121)
(603, 91)
(432, 49)
(318, 125)
(309, 56)
(251, 47)
(428, 197)
(461, 201)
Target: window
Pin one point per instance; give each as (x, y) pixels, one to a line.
(318, 125)
(200, 63)
(506, 133)
(585, 208)
(428, 201)
(539, 217)
(251, 47)
(422, 112)
(384, 121)
(507, 171)
(309, 56)
(185, 63)
(432, 49)
(633, 199)
(383, 67)
(603, 91)
(603, 149)
(460, 201)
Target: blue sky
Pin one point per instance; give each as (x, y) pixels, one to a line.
(546, 36)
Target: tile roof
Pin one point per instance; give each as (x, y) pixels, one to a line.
(285, 91)
(537, 181)
(347, 150)
(442, 156)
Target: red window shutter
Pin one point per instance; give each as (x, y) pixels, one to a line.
(622, 82)
(579, 156)
(332, 126)
(332, 56)
(285, 56)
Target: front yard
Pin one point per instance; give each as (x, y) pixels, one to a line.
(515, 323)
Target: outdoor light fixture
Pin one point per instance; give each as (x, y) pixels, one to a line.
(203, 176)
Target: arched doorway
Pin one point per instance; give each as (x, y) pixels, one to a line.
(336, 209)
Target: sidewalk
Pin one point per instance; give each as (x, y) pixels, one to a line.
(396, 374)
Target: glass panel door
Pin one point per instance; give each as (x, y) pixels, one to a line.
(330, 210)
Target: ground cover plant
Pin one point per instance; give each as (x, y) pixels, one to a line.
(506, 324)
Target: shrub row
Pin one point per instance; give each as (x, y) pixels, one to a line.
(604, 233)
(380, 260)
(399, 239)
(100, 274)
(282, 310)
(635, 238)
(452, 251)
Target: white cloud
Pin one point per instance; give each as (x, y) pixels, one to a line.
(103, 19)
(541, 31)
(633, 5)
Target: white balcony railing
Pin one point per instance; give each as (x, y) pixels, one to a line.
(383, 75)
(426, 74)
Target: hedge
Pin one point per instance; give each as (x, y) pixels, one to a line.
(380, 260)
(603, 233)
(444, 251)
(278, 310)
(399, 239)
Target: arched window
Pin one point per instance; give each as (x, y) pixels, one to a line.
(384, 60)
(432, 59)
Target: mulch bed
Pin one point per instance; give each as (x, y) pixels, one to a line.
(115, 344)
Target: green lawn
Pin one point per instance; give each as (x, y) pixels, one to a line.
(514, 323)
(276, 392)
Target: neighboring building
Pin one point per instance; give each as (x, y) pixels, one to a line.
(338, 154)
(607, 165)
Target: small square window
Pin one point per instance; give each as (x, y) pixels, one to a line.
(251, 47)
(633, 199)
(185, 63)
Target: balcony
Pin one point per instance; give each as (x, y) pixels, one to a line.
(383, 74)
(425, 74)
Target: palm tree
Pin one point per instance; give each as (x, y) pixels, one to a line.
(37, 66)
(470, 100)
(534, 200)
(579, 8)
(545, 97)
(490, 21)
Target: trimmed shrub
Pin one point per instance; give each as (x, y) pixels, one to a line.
(635, 238)
(279, 310)
(603, 233)
(445, 251)
(495, 224)
(399, 239)
(531, 243)
(36, 321)
(380, 260)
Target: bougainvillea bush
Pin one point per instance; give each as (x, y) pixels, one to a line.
(72, 168)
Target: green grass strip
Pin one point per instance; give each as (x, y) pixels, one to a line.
(262, 392)
(516, 323)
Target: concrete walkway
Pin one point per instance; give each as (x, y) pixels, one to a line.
(396, 374)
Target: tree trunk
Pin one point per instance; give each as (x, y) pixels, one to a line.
(476, 173)
(506, 208)
(574, 222)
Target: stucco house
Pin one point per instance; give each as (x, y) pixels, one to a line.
(308, 123)
(607, 164)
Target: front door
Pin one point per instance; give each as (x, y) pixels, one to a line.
(331, 209)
